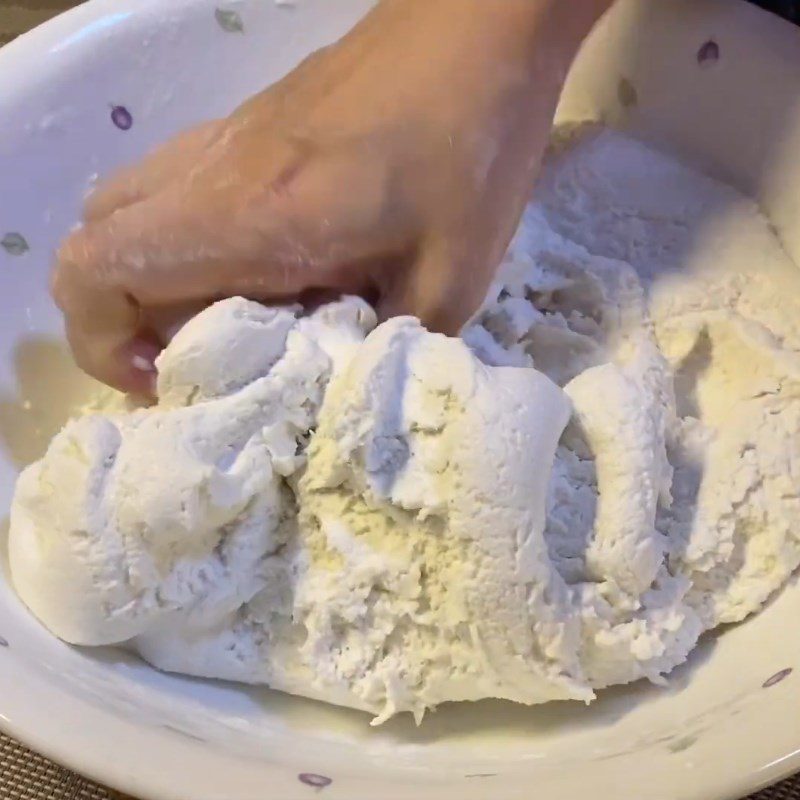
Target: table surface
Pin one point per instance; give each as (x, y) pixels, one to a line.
(27, 776)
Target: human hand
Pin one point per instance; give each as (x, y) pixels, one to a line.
(393, 164)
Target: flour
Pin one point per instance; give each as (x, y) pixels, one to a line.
(604, 466)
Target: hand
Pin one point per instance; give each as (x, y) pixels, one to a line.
(394, 164)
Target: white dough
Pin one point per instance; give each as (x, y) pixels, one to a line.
(606, 465)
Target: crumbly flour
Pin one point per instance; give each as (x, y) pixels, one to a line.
(605, 466)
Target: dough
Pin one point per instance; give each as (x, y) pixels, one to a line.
(604, 466)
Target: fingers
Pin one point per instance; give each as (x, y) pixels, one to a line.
(135, 364)
(136, 183)
(308, 228)
(182, 247)
(101, 328)
(104, 277)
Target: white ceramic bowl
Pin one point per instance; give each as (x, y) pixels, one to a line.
(713, 78)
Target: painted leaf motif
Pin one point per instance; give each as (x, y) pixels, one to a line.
(14, 244)
(229, 21)
(312, 779)
(708, 54)
(627, 94)
(777, 678)
(121, 117)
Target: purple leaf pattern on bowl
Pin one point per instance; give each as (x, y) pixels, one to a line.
(317, 781)
(708, 53)
(229, 21)
(682, 744)
(3, 642)
(777, 678)
(15, 244)
(121, 117)
(626, 94)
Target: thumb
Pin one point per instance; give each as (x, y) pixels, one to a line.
(441, 289)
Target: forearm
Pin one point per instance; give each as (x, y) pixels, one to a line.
(482, 53)
(516, 29)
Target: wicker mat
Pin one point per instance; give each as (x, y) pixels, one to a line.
(27, 776)
(23, 774)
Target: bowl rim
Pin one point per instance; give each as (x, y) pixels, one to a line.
(16, 719)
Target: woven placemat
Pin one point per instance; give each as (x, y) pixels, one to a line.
(27, 776)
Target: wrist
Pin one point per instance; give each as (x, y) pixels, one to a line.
(487, 42)
(510, 26)
(454, 61)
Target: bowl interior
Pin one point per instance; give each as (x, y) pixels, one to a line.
(103, 84)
